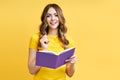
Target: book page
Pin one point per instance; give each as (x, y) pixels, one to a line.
(48, 52)
(65, 50)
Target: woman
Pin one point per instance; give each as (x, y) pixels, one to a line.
(52, 38)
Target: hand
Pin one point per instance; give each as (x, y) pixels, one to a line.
(44, 42)
(72, 59)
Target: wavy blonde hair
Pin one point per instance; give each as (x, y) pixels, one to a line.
(62, 29)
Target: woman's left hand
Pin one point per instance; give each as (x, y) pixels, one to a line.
(72, 60)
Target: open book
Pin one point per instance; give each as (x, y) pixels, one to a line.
(52, 60)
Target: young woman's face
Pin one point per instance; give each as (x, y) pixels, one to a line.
(52, 18)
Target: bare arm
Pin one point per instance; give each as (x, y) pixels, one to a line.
(70, 66)
(33, 69)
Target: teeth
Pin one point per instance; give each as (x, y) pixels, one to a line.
(53, 23)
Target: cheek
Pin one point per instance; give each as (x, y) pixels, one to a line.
(48, 19)
(57, 19)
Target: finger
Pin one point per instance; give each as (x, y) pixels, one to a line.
(46, 42)
(42, 36)
(72, 57)
(71, 60)
(68, 60)
(45, 36)
(44, 39)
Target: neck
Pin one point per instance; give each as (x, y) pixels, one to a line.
(53, 32)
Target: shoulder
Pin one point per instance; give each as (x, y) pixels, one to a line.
(35, 36)
(34, 41)
(71, 41)
(69, 38)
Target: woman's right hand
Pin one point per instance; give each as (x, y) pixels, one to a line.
(44, 42)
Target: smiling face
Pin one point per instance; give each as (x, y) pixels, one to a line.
(53, 22)
(52, 18)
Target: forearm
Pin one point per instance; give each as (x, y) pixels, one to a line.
(33, 69)
(70, 65)
(70, 69)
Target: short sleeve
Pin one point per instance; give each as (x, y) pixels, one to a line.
(71, 42)
(34, 41)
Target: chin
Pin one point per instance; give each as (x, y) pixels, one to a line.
(54, 27)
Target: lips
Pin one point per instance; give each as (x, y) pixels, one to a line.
(53, 23)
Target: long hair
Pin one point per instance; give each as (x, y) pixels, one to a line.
(62, 29)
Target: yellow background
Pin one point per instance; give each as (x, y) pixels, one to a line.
(93, 24)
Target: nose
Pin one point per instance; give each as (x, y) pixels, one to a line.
(52, 17)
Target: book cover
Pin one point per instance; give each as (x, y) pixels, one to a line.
(52, 60)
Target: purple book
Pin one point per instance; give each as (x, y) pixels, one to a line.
(52, 60)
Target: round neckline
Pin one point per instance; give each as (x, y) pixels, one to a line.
(53, 35)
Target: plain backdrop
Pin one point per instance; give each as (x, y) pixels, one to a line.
(94, 25)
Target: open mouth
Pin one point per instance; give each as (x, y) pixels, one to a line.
(53, 23)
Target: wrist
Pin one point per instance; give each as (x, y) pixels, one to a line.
(44, 49)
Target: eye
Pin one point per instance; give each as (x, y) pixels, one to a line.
(48, 15)
(56, 14)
